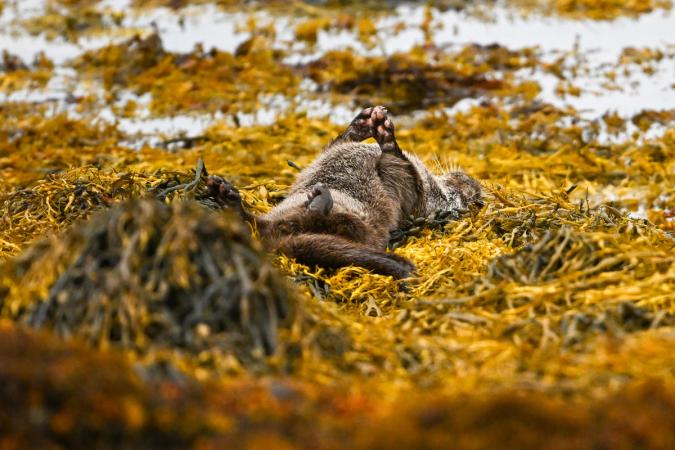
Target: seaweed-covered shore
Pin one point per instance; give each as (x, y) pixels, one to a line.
(136, 313)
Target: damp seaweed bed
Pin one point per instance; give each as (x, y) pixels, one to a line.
(135, 312)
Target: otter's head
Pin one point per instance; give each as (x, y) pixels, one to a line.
(456, 192)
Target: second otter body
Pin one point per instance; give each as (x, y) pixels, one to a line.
(343, 207)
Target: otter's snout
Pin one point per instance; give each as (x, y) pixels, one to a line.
(468, 189)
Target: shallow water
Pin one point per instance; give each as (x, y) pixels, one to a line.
(596, 45)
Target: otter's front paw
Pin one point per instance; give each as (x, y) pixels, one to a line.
(319, 199)
(383, 130)
(223, 192)
(361, 128)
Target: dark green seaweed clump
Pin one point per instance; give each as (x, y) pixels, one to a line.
(144, 275)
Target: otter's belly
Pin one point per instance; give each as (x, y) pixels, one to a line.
(349, 169)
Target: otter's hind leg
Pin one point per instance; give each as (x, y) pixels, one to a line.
(333, 251)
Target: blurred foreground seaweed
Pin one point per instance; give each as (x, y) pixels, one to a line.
(143, 275)
(65, 395)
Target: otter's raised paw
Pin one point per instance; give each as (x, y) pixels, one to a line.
(319, 199)
(223, 192)
(361, 128)
(383, 131)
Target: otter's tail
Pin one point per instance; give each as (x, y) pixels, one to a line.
(332, 251)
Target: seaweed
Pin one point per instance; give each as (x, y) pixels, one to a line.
(594, 268)
(580, 9)
(143, 275)
(15, 73)
(213, 81)
(61, 199)
(422, 78)
(593, 9)
(71, 25)
(66, 395)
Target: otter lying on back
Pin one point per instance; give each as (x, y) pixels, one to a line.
(342, 209)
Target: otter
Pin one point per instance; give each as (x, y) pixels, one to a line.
(343, 207)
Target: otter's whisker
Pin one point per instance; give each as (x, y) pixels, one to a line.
(437, 162)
